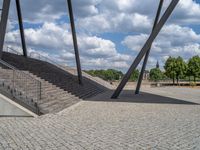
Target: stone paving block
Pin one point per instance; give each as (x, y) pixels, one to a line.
(107, 126)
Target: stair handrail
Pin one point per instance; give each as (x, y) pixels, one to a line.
(36, 55)
(19, 89)
(73, 71)
(15, 69)
(13, 50)
(44, 58)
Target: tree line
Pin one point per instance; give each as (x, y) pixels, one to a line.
(175, 68)
(112, 74)
(108, 75)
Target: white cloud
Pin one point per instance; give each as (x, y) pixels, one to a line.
(119, 22)
(187, 12)
(97, 47)
(57, 39)
(135, 42)
(136, 16)
(173, 40)
(96, 17)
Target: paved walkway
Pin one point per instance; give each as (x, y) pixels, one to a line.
(102, 125)
(184, 93)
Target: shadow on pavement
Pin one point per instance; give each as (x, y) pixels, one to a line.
(129, 96)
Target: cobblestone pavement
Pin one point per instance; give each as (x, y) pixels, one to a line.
(94, 125)
(184, 93)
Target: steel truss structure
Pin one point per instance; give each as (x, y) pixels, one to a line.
(148, 52)
(144, 52)
(3, 25)
(146, 48)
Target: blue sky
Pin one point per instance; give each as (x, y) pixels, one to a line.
(110, 33)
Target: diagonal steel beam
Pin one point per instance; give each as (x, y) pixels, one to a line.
(78, 64)
(148, 52)
(3, 23)
(21, 27)
(146, 47)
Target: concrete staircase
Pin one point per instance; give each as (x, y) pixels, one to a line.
(59, 88)
(91, 78)
(19, 86)
(53, 98)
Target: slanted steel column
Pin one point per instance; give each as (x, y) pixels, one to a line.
(78, 64)
(3, 23)
(148, 52)
(146, 47)
(21, 27)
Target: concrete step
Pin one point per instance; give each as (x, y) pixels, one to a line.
(59, 88)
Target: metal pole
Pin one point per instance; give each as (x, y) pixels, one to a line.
(146, 47)
(21, 27)
(148, 52)
(78, 64)
(3, 23)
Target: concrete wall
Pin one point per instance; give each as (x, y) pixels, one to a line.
(8, 108)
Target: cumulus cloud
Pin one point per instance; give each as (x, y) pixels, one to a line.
(94, 18)
(173, 40)
(57, 39)
(136, 16)
(51, 10)
(187, 12)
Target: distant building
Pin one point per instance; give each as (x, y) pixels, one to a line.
(157, 65)
(146, 75)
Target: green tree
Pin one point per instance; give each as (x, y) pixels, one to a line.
(156, 74)
(109, 75)
(135, 75)
(194, 67)
(180, 68)
(116, 75)
(175, 68)
(169, 67)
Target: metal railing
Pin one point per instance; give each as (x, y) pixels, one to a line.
(0, 14)
(1, 9)
(69, 69)
(73, 71)
(38, 56)
(11, 50)
(24, 88)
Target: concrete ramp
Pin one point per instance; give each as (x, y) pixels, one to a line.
(8, 108)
